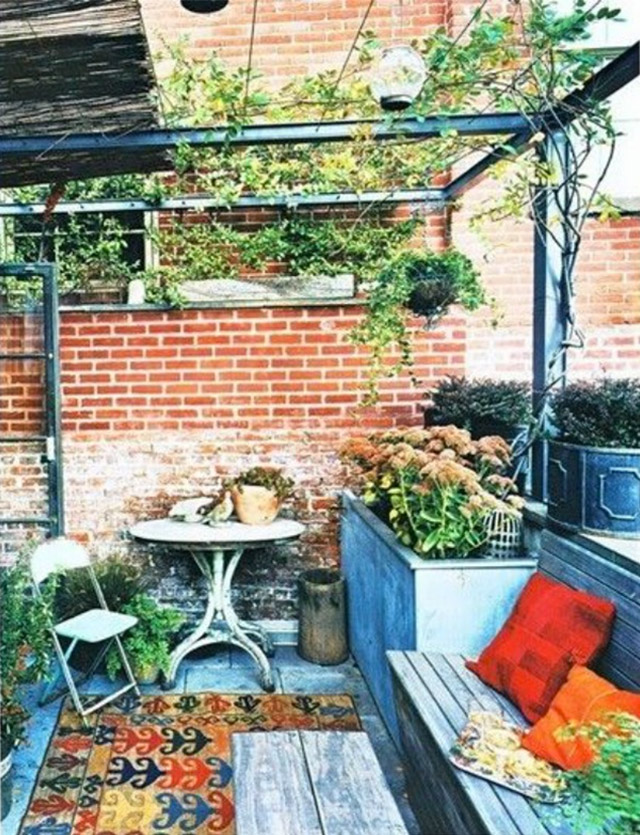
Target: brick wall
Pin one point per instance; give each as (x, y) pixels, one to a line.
(160, 405)
(607, 286)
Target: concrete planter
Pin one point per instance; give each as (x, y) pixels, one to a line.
(594, 489)
(396, 600)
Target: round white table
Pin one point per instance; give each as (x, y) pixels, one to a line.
(216, 551)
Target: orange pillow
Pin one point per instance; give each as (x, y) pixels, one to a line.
(585, 697)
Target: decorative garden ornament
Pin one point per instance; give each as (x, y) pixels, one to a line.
(397, 77)
(204, 6)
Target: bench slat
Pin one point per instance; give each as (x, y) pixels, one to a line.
(349, 785)
(445, 718)
(467, 683)
(272, 790)
(627, 609)
(463, 692)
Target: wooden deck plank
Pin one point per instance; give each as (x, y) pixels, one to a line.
(351, 792)
(272, 790)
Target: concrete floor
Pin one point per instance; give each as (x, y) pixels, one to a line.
(227, 671)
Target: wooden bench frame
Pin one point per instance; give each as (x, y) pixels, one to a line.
(433, 693)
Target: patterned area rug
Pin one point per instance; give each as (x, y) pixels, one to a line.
(161, 764)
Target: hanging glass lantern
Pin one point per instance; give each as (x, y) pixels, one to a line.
(204, 6)
(397, 77)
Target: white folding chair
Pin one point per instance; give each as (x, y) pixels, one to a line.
(95, 626)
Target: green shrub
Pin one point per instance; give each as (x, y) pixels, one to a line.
(603, 413)
(147, 644)
(119, 579)
(604, 797)
(470, 404)
(25, 645)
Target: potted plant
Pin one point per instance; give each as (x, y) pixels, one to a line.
(147, 644)
(594, 460)
(483, 406)
(413, 548)
(120, 580)
(604, 796)
(419, 282)
(24, 657)
(258, 494)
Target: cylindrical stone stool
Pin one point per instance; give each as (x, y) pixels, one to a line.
(322, 638)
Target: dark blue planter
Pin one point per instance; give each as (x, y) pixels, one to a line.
(594, 489)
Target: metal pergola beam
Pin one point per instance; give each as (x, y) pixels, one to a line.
(268, 134)
(345, 198)
(612, 77)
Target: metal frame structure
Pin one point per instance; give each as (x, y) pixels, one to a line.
(549, 307)
(52, 438)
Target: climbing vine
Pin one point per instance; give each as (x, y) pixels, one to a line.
(525, 61)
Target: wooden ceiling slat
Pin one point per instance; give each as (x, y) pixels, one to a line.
(69, 66)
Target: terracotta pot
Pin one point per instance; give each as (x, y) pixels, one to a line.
(255, 505)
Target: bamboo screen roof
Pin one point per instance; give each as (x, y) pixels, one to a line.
(74, 66)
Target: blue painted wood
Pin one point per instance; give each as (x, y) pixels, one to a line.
(398, 600)
(595, 490)
(380, 603)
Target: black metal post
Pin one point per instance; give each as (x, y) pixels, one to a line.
(549, 299)
(53, 399)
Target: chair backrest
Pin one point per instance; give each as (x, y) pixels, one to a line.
(59, 554)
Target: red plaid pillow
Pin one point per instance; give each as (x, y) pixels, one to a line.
(525, 667)
(551, 627)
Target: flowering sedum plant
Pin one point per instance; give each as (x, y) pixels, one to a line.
(435, 487)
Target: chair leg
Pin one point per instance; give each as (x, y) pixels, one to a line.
(68, 677)
(127, 666)
(50, 694)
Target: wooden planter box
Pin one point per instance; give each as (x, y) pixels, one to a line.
(397, 600)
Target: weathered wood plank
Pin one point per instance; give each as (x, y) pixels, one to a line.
(624, 580)
(627, 609)
(349, 786)
(466, 685)
(445, 718)
(436, 796)
(272, 790)
(506, 810)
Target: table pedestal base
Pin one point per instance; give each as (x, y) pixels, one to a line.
(220, 623)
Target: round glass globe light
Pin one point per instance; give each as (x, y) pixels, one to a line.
(204, 6)
(397, 77)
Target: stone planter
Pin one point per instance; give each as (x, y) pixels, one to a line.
(594, 489)
(397, 600)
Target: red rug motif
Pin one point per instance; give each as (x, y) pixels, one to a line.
(161, 763)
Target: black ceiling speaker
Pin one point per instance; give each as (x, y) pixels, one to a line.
(204, 6)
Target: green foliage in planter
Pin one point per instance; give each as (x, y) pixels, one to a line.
(147, 644)
(420, 282)
(604, 797)
(25, 643)
(602, 413)
(119, 578)
(472, 403)
(269, 477)
(435, 487)
(302, 245)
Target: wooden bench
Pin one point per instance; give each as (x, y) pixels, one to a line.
(311, 783)
(434, 692)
